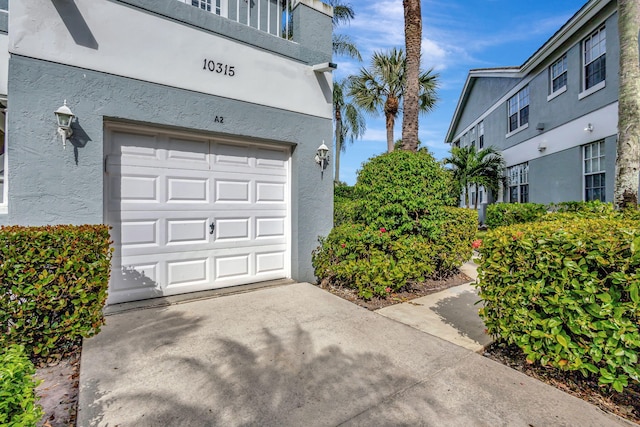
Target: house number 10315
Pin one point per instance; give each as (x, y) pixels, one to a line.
(219, 67)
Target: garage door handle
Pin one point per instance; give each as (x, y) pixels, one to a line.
(212, 227)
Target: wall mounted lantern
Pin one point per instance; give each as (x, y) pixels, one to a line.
(322, 157)
(64, 117)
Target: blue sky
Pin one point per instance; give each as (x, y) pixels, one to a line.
(457, 35)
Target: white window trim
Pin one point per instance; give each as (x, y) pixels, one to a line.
(583, 65)
(520, 129)
(592, 89)
(556, 93)
(563, 89)
(584, 172)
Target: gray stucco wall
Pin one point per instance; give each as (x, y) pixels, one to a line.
(49, 185)
(483, 94)
(559, 177)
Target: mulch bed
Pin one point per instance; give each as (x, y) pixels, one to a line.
(407, 293)
(58, 391)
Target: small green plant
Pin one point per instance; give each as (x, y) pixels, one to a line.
(18, 405)
(567, 293)
(53, 285)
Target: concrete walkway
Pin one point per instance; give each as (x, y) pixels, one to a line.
(451, 314)
(296, 355)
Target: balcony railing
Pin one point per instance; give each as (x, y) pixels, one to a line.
(271, 16)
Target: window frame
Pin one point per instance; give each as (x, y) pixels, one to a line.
(518, 180)
(587, 49)
(481, 135)
(591, 172)
(553, 77)
(516, 107)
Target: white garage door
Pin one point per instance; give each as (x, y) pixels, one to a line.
(191, 214)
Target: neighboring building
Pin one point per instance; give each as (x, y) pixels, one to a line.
(555, 117)
(195, 134)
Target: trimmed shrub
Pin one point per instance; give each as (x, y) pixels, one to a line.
(567, 293)
(401, 191)
(17, 389)
(377, 261)
(501, 214)
(53, 285)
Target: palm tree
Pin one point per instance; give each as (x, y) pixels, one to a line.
(628, 161)
(348, 121)
(413, 44)
(342, 44)
(382, 87)
(476, 168)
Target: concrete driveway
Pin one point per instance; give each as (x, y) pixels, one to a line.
(298, 356)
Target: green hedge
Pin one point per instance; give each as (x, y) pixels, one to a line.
(567, 293)
(377, 261)
(17, 389)
(501, 214)
(53, 285)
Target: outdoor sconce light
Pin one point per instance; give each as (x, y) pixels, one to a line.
(322, 157)
(589, 128)
(541, 147)
(64, 117)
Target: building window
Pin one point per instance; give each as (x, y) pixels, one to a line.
(558, 73)
(594, 58)
(472, 137)
(594, 173)
(519, 109)
(518, 181)
(481, 135)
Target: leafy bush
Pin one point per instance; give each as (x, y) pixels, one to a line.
(377, 261)
(567, 293)
(592, 207)
(17, 389)
(53, 285)
(401, 191)
(500, 214)
(343, 204)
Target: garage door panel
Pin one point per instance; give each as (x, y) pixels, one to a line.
(164, 191)
(233, 266)
(232, 155)
(270, 227)
(187, 231)
(187, 154)
(134, 148)
(271, 159)
(232, 229)
(188, 272)
(269, 192)
(233, 191)
(139, 233)
(270, 262)
(187, 190)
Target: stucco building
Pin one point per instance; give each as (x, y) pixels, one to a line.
(554, 118)
(194, 135)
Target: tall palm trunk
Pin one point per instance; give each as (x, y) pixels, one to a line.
(413, 42)
(475, 198)
(628, 161)
(336, 176)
